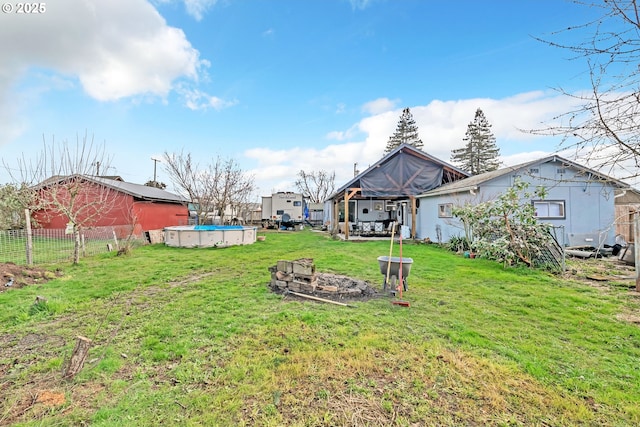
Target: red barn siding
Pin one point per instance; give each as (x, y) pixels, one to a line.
(157, 215)
(121, 211)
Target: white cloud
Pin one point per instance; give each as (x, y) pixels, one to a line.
(442, 125)
(359, 4)
(195, 99)
(115, 49)
(197, 8)
(380, 105)
(516, 159)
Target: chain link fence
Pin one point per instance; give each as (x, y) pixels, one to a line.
(51, 246)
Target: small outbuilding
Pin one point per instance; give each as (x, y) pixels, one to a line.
(109, 201)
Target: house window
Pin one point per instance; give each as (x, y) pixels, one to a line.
(297, 203)
(534, 170)
(444, 210)
(549, 208)
(377, 206)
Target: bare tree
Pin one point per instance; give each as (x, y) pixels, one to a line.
(211, 189)
(61, 177)
(316, 186)
(603, 128)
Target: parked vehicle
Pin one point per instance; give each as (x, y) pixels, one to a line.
(283, 209)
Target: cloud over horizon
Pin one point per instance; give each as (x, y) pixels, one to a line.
(442, 126)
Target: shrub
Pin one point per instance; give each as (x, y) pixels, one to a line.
(506, 229)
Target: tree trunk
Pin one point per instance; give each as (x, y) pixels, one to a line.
(76, 245)
(77, 357)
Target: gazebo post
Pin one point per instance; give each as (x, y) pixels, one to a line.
(413, 216)
(346, 216)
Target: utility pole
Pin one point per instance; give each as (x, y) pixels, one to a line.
(155, 163)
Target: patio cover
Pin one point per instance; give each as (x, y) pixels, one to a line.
(402, 175)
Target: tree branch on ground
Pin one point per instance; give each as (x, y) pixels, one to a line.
(506, 229)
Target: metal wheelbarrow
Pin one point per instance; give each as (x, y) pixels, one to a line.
(393, 265)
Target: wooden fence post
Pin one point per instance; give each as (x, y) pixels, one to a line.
(115, 239)
(29, 244)
(636, 247)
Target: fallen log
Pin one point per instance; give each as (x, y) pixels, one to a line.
(579, 254)
(298, 294)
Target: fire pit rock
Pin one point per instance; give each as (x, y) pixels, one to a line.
(300, 276)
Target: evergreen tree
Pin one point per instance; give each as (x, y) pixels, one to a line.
(481, 153)
(406, 132)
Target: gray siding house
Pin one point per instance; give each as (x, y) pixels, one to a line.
(580, 202)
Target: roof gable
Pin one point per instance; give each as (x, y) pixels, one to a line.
(139, 191)
(405, 171)
(474, 181)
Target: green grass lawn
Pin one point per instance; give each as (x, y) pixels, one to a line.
(194, 337)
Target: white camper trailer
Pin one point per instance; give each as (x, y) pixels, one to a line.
(283, 209)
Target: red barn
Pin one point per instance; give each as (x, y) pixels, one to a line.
(109, 202)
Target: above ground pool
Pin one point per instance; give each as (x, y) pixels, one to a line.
(207, 236)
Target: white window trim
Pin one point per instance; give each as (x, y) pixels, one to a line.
(444, 210)
(563, 211)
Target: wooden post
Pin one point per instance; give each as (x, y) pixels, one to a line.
(335, 224)
(115, 239)
(346, 216)
(347, 196)
(636, 249)
(29, 248)
(77, 357)
(413, 216)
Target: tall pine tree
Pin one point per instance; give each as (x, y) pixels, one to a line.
(406, 132)
(481, 153)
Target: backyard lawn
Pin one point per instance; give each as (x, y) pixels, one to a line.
(195, 337)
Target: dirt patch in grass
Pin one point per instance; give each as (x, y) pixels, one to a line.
(601, 272)
(13, 276)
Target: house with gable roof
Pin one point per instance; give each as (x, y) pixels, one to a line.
(580, 202)
(387, 191)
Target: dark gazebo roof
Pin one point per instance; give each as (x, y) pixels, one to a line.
(403, 172)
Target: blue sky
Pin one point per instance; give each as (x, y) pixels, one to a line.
(281, 85)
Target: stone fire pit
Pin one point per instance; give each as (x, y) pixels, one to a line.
(301, 276)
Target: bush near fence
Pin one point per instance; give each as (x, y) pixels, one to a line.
(50, 246)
